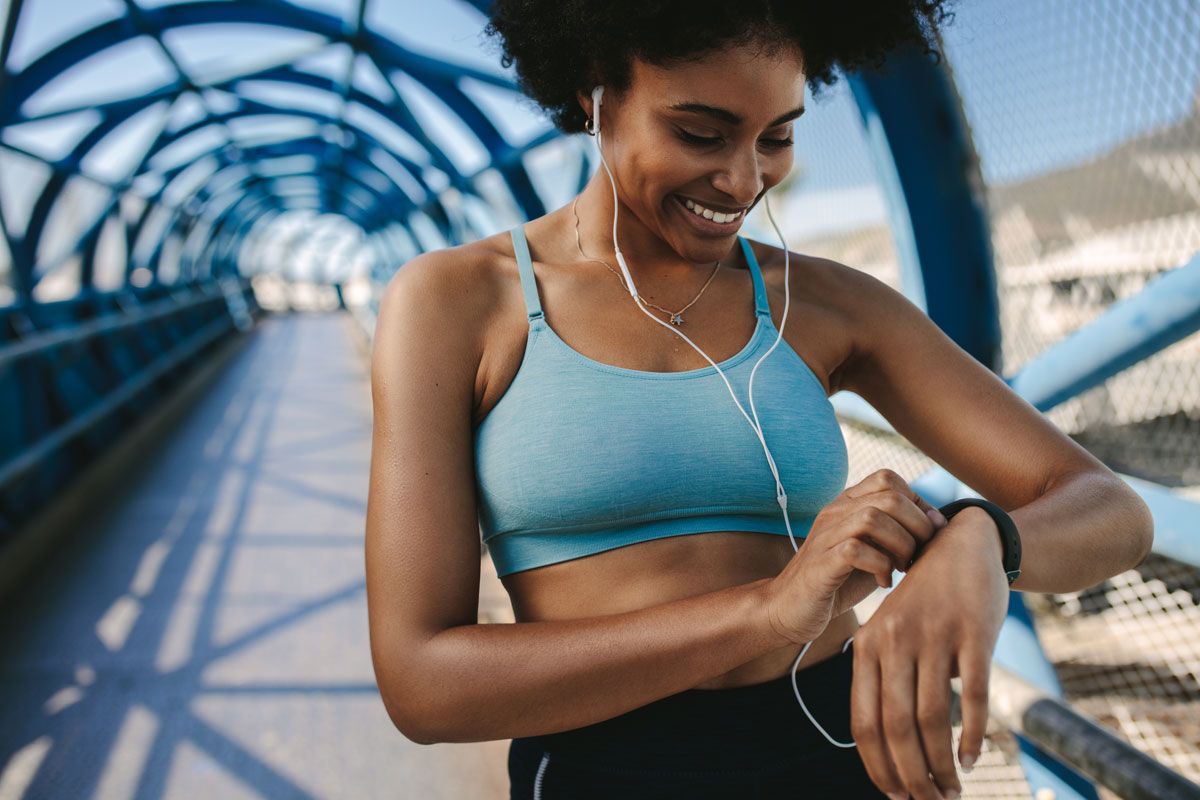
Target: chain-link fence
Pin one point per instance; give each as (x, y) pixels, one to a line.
(1086, 119)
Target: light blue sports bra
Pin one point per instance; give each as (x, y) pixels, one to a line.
(579, 457)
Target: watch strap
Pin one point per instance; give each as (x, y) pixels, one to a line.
(1009, 538)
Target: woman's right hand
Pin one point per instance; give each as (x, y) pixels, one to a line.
(855, 542)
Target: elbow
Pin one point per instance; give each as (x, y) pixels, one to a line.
(1133, 529)
(406, 698)
(419, 703)
(412, 724)
(421, 738)
(414, 729)
(1142, 529)
(428, 724)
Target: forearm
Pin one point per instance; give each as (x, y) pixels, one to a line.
(500, 681)
(1082, 530)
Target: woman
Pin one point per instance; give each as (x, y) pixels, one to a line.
(523, 388)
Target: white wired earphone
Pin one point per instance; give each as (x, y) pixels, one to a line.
(780, 495)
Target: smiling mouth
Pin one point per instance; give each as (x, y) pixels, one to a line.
(708, 214)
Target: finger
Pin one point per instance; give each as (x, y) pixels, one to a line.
(898, 693)
(883, 480)
(866, 723)
(880, 509)
(974, 665)
(901, 485)
(928, 509)
(933, 717)
(899, 504)
(886, 478)
(877, 481)
(852, 554)
(888, 535)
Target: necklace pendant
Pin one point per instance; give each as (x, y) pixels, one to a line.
(676, 320)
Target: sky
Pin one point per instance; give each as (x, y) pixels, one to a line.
(1044, 83)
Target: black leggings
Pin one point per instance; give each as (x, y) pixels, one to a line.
(746, 742)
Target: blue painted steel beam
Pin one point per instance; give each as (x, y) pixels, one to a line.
(924, 158)
(439, 77)
(357, 163)
(43, 206)
(1176, 521)
(389, 203)
(1129, 332)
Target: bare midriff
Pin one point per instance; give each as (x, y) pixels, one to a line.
(662, 570)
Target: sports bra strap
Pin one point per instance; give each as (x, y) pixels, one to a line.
(761, 307)
(533, 303)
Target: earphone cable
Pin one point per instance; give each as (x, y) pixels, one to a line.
(781, 495)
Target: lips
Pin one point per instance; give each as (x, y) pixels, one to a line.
(712, 206)
(706, 226)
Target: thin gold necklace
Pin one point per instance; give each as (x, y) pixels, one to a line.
(676, 316)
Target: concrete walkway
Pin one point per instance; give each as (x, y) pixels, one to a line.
(206, 636)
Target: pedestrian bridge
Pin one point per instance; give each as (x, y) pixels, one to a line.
(201, 202)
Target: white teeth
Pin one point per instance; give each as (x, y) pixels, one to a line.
(708, 213)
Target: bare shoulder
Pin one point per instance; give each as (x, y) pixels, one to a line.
(456, 282)
(461, 302)
(452, 290)
(827, 295)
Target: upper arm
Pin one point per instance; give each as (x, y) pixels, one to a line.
(950, 406)
(422, 536)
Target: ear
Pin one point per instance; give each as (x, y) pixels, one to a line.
(585, 101)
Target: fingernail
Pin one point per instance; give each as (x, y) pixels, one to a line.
(967, 762)
(937, 516)
(897, 795)
(950, 794)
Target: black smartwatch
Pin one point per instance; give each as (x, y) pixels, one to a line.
(1009, 537)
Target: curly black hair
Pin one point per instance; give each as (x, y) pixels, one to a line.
(562, 47)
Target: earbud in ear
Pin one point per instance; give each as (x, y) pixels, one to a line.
(597, 93)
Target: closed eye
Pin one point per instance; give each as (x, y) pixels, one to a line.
(694, 139)
(706, 141)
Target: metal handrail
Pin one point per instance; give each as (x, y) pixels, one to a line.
(32, 456)
(45, 341)
(1082, 743)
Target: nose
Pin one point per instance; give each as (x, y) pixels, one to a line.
(742, 180)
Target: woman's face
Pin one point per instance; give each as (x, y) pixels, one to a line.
(715, 132)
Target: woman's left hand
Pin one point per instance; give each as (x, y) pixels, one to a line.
(942, 620)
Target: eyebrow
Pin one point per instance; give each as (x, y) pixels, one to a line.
(726, 115)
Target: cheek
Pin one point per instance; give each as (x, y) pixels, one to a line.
(659, 173)
(660, 164)
(779, 169)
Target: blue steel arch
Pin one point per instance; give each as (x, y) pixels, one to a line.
(437, 76)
